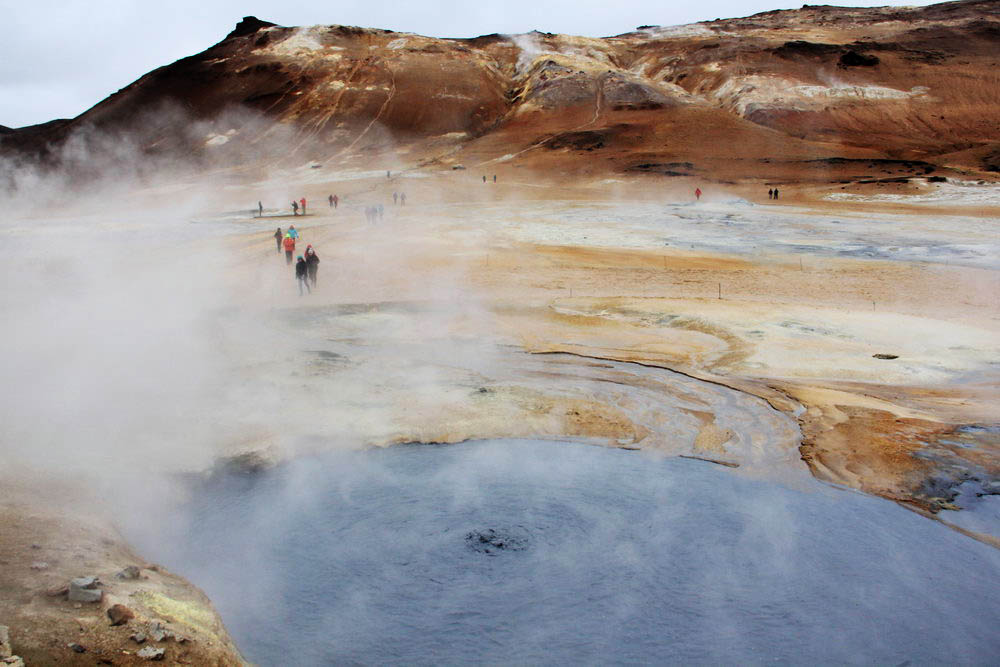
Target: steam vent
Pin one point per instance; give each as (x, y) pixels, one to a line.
(340, 345)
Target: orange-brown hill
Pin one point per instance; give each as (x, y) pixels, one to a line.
(819, 93)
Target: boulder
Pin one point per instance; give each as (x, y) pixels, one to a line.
(129, 573)
(13, 661)
(76, 648)
(138, 637)
(120, 614)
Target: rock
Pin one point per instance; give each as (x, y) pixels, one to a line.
(85, 589)
(120, 614)
(138, 637)
(151, 653)
(886, 356)
(76, 648)
(13, 661)
(39, 565)
(160, 633)
(130, 572)
(5, 650)
(57, 591)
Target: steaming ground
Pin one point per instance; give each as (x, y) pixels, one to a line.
(160, 337)
(548, 552)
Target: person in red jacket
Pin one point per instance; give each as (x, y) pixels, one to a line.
(697, 194)
(289, 244)
(303, 202)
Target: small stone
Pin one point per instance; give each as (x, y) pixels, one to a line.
(138, 638)
(5, 650)
(151, 653)
(13, 661)
(120, 614)
(39, 565)
(158, 633)
(76, 648)
(130, 572)
(57, 591)
(84, 589)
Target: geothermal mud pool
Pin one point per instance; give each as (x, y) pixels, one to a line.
(545, 551)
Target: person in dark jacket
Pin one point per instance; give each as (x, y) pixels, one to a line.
(278, 235)
(301, 274)
(312, 264)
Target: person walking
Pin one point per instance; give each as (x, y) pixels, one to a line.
(330, 199)
(312, 264)
(697, 193)
(302, 275)
(484, 178)
(335, 200)
(295, 208)
(395, 198)
(776, 193)
(289, 244)
(294, 233)
(494, 178)
(402, 199)
(770, 194)
(277, 238)
(260, 209)
(303, 203)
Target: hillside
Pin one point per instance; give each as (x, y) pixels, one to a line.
(815, 94)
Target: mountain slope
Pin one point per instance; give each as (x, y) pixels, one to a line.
(781, 89)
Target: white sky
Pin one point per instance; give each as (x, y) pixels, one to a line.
(60, 57)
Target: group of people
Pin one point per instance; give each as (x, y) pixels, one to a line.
(399, 198)
(772, 194)
(307, 265)
(373, 213)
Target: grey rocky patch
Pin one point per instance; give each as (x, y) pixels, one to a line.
(5, 649)
(160, 633)
(138, 637)
(151, 653)
(39, 565)
(85, 589)
(76, 648)
(130, 572)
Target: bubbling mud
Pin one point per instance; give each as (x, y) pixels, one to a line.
(551, 552)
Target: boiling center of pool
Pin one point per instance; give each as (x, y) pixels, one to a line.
(538, 552)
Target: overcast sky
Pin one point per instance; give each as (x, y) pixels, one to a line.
(59, 58)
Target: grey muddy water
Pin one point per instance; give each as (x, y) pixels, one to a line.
(515, 551)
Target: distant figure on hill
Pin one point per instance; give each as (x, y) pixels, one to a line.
(697, 193)
(387, 174)
(494, 178)
(289, 244)
(776, 193)
(395, 198)
(484, 178)
(303, 202)
(312, 264)
(260, 210)
(402, 199)
(330, 199)
(302, 274)
(770, 194)
(335, 200)
(294, 233)
(295, 208)
(277, 238)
